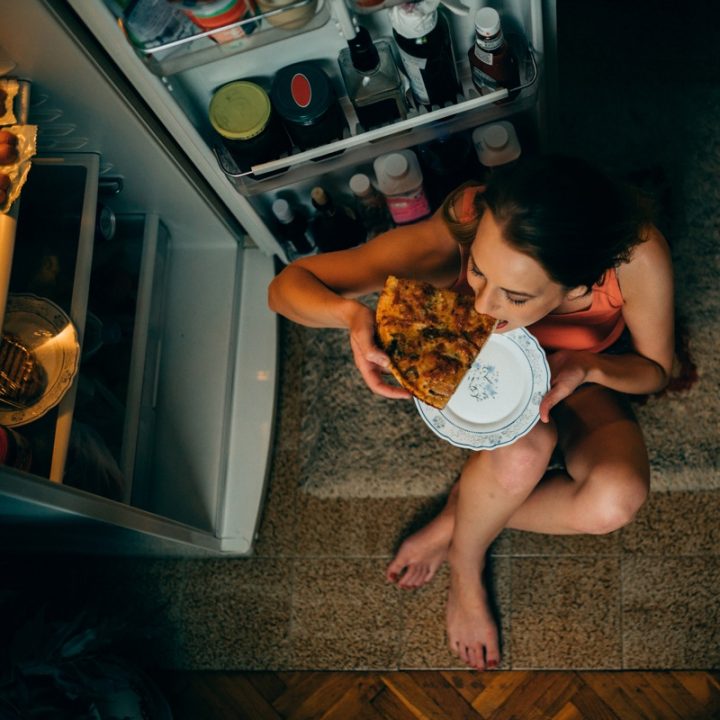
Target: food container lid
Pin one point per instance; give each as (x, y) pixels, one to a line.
(487, 21)
(240, 110)
(301, 93)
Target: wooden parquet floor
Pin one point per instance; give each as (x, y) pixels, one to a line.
(445, 695)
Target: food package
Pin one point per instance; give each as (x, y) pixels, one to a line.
(8, 90)
(17, 171)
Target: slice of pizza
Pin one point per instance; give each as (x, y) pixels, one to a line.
(430, 335)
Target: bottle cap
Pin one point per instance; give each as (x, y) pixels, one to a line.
(396, 165)
(414, 20)
(318, 196)
(240, 110)
(496, 144)
(363, 52)
(487, 21)
(283, 211)
(360, 184)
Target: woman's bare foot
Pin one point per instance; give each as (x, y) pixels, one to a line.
(471, 627)
(422, 554)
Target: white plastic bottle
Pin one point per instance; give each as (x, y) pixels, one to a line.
(400, 180)
(496, 144)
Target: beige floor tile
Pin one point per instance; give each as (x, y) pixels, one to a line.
(676, 523)
(236, 615)
(344, 615)
(357, 527)
(424, 638)
(565, 613)
(671, 612)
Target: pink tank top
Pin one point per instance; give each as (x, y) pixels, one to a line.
(595, 329)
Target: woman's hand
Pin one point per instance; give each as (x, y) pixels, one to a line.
(568, 370)
(370, 360)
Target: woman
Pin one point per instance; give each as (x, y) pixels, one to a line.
(553, 245)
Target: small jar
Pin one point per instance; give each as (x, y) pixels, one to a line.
(242, 114)
(219, 13)
(306, 102)
(290, 19)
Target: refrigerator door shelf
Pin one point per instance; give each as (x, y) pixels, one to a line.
(189, 52)
(421, 126)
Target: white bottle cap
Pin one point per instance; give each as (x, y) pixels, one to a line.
(496, 144)
(414, 20)
(360, 184)
(396, 165)
(487, 21)
(496, 137)
(282, 210)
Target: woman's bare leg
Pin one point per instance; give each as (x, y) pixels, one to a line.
(561, 504)
(606, 457)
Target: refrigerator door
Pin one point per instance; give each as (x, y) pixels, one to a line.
(178, 83)
(191, 414)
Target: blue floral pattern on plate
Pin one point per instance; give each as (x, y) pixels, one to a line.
(499, 398)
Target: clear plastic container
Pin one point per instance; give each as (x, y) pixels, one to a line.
(496, 144)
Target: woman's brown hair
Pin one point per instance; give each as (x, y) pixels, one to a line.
(561, 211)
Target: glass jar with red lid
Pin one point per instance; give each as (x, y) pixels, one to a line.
(305, 100)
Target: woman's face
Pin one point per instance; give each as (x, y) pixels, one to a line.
(508, 284)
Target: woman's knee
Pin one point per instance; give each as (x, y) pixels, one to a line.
(518, 467)
(611, 501)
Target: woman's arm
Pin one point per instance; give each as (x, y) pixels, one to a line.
(320, 291)
(646, 282)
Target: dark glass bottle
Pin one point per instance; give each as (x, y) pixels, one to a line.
(372, 80)
(447, 163)
(292, 229)
(423, 39)
(334, 226)
(492, 61)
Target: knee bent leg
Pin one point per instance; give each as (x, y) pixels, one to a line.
(612, 505)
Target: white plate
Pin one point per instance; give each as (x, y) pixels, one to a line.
(498, 400)
(44, 328)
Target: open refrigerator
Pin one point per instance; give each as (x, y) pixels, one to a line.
(186, 409)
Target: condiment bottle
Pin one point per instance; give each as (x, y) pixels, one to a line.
(334, 226)
(371, 205)
(400, 180)
(496, 144)
(492, 62)
(306, 102)
(372, 80)
(242, 114)
(423, 39)
(292, 229)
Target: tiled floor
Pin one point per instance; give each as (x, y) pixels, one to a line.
(314, 596)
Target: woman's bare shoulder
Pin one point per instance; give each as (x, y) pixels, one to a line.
(650, 262)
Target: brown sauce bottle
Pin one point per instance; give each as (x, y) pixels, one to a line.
(492, 61)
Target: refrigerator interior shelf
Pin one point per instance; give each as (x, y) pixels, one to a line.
(420, 126)
(199, 49)
(113, 292)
